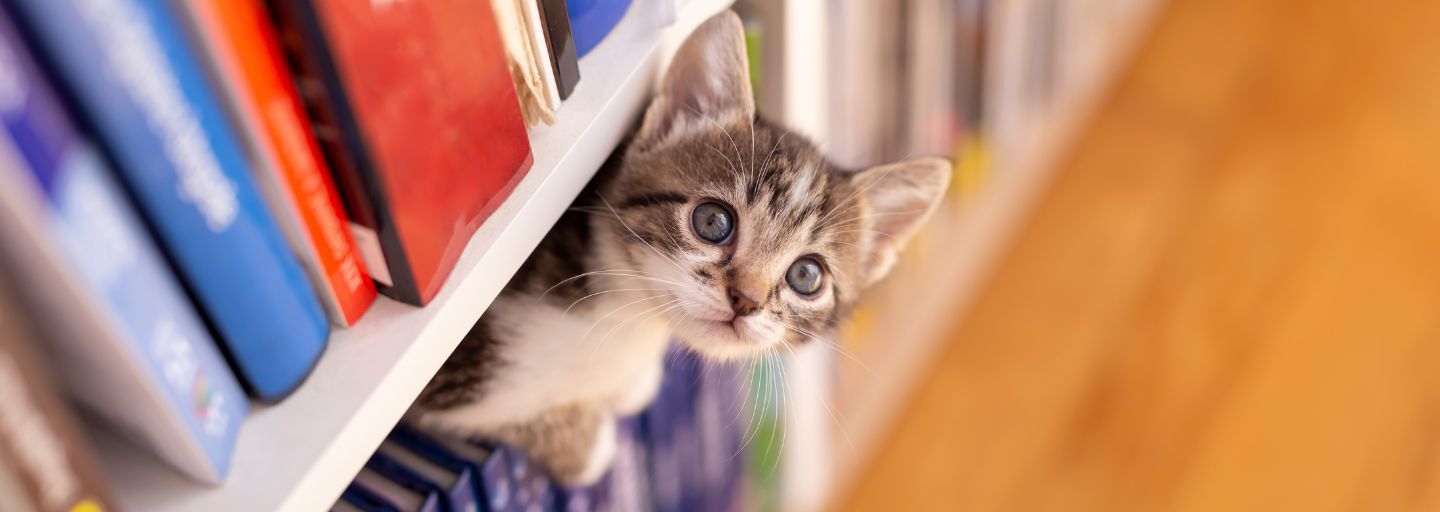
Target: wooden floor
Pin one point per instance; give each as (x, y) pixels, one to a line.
(1228, 300)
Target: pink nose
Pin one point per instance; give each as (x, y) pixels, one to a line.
(742, 304)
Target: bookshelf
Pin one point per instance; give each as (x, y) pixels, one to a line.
(910, 315)
(301, 453)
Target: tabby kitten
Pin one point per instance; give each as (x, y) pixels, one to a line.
(712, 227)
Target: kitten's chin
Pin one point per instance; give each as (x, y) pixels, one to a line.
(721, 340)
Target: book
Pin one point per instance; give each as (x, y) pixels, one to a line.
(436, 466)
(241, 43)
(153, 110)
(523, 34)
(489, 466)
(397, 486)
(592, 20)
(629, 479)
(420, 161)
(133, 350)
(560, 44)
(47, 464)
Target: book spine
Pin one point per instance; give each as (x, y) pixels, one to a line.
(135, 351)
(152, 108)
(39, 437)
(561, 44)
(335, 129)
(431, 172)
(242, 43)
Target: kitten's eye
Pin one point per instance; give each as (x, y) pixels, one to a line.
(805, 276)
(712, 223)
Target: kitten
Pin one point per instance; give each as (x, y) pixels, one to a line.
(711, 226)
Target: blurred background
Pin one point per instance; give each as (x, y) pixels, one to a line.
(1190, 258)
(1190, 263)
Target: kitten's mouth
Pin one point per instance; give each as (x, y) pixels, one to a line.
(727, 334)
(726, 326)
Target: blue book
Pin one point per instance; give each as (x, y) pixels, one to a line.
(490, 467)
(138, 82)
(630, 486)
(437, 466)
(398, 486)
(359, 498)
(127, 344)
(716, 413)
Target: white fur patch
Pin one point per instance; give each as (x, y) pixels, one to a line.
(555, 359)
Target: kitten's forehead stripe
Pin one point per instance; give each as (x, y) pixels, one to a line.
(651, 199)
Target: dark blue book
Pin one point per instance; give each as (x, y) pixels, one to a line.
(629, 487)
(138, 83)
(429, 460)
(533, 489)
(358, 497)
(490, 467)
(129, 346)
(718, 424)
(394, 486)
(672, 467)
(584, 499)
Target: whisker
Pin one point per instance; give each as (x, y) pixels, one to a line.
(586, 335)
(642, 240)
(835, 347)
(581, 299)
(632, 318)
(623, 273)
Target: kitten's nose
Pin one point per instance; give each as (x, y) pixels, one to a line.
(742, 304)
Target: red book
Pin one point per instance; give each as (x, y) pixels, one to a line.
(413, 105)
(242, 45)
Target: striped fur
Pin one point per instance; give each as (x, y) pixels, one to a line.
(581, 329)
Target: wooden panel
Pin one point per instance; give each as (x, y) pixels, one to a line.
(1229, 299)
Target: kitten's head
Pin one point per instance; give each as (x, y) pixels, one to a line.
(763, 241)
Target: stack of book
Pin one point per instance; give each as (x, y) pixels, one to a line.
(194, 194)
(682, 454)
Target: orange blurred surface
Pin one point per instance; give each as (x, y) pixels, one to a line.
(1228, 299)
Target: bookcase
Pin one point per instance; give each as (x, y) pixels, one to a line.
(1044, 65)
(301, 453)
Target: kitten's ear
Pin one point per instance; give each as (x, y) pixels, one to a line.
(708, 78)
(902, 196)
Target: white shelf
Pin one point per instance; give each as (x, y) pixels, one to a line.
(300, 454)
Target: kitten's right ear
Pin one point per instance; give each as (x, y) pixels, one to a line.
(709, 78)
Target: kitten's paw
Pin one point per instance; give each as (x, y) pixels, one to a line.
(639, 393)
(597, 460)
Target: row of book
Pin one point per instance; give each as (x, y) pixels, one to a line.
(989, 83)
(681, 454)
(195, 193)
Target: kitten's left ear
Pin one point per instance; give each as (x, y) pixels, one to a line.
(902, 196)
(708, 82)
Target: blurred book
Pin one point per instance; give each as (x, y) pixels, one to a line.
(395, 488)
(421, 161)
(592, 20)
(45, 462)
(561, 44)
(154, 111)
(240, 40)
(683, 453)
(523, 34)
(132, 349)
(432, 462)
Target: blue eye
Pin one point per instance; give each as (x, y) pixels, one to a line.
(712, 223)
(805, 276)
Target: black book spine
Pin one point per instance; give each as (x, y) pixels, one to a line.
(561, 43)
